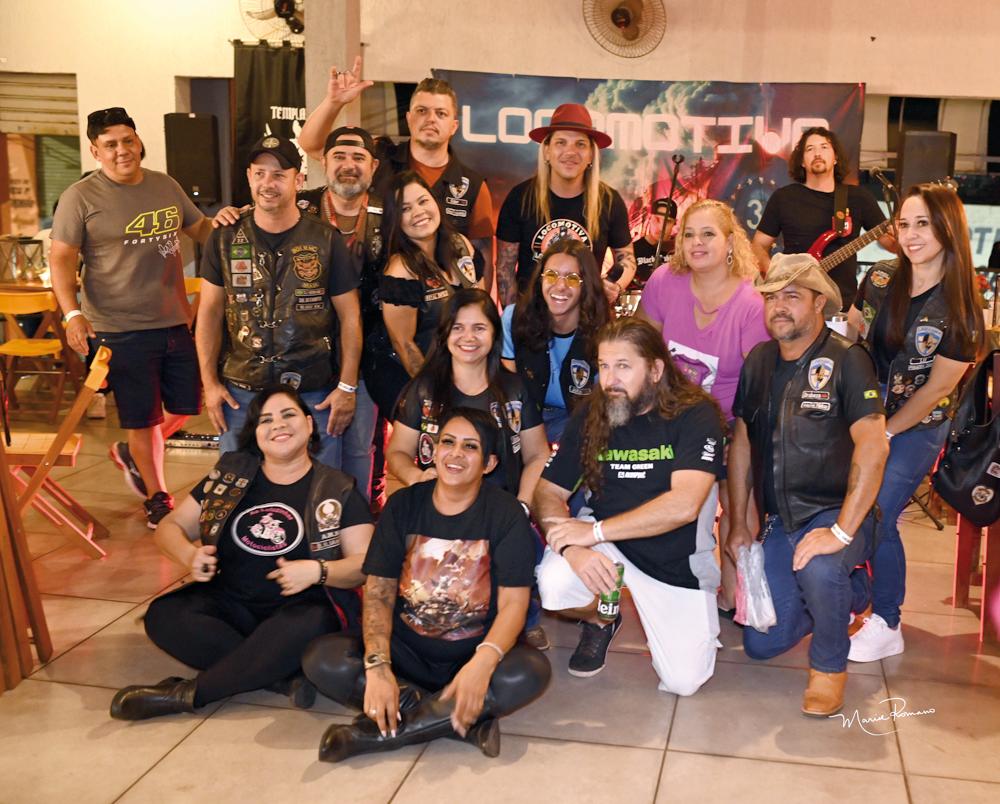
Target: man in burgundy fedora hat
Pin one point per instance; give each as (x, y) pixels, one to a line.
(565, 198)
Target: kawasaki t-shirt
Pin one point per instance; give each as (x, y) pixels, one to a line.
(637, 466)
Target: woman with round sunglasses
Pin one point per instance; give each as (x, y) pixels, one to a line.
(547, 334)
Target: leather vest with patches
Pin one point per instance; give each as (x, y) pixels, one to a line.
(367, 247)
(279, 318)
(912, 364)
(227, 485)
(577, 374)
(455, 191)
(811, 442)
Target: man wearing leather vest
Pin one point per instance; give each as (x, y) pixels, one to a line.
(809, 441)
(277, 288)
(349, 205)
(432, 120)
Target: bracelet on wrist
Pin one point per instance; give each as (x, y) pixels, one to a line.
(322, 572)
(347, 389)
(565, 547)
(841, 534)
(494, 646)
(598, 532)
(71, 315)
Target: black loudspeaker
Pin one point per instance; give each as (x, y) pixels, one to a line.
(924, 156)
(193, 155)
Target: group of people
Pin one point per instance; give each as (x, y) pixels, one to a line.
(547, 453)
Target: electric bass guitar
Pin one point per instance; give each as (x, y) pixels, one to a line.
(834, 258)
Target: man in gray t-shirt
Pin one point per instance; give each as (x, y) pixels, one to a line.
(125, 222)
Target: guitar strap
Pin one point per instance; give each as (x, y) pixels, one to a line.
(840, 210)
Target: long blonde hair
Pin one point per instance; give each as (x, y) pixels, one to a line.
(744, 263)
(595, 192)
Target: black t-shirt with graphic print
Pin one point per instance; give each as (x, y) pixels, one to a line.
(265, 525)
(415, 411)
(449, 567)
(533, 235)
(636, 467)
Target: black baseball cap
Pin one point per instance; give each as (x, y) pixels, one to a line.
(100, 121)
(350, 135)
(283, 150)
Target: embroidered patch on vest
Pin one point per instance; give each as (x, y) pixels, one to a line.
(820, 371)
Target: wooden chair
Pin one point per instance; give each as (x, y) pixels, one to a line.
(38, 355)
(32, 456)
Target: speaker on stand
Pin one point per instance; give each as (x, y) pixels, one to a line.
(924, 156)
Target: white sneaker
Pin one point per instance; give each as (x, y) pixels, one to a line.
(875, 640)
(97, 408)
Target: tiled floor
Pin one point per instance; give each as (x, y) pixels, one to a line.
(609, 738)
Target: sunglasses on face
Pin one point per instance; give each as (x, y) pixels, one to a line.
(550, 277)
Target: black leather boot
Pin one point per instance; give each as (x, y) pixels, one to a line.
(426, 721)
(170, 696)
(300, 691)
(485, 735)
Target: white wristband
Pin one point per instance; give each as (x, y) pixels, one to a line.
(598, 531)
(497, 648)
(71, 315)
(348, 389)
(841, 534)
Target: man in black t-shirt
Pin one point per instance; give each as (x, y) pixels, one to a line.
(565, 199)
(652, 478)
(803, 211)
(809, 442)
(276, 288)
(646, 246)
(449, 572)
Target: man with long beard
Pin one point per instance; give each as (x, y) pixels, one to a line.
(648, 446)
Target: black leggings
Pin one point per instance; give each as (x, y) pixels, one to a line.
(335, 665)
(235, 648)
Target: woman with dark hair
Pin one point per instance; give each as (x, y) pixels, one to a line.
(463, 370)
(710, 316)
(548, 334)
(290, 534)
(920, 317)
(428, 262)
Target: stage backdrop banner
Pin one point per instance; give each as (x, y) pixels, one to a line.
(270, 100)
(735, 138)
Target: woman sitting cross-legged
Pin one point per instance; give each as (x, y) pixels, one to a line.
(274, 542)
(449, 572)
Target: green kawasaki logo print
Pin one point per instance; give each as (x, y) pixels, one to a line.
(660, 453)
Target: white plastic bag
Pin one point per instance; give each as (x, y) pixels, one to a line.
(754, 607)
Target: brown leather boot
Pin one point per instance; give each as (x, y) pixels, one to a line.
(825, 694)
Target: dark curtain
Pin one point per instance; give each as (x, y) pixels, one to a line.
(270, 100)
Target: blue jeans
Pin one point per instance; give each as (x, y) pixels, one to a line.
(911, 455)
(816, 599)
(329, 446)
(358, 437)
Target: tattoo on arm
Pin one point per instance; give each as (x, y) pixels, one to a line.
(412, 358)
(505, 273)
(380, 600)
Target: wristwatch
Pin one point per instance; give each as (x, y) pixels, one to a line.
(375, 659)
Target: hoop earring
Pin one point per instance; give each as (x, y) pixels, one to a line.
(729, 259)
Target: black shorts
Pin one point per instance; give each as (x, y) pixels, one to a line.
(153, 369)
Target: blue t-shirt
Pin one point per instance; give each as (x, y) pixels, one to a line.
(558, 349)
